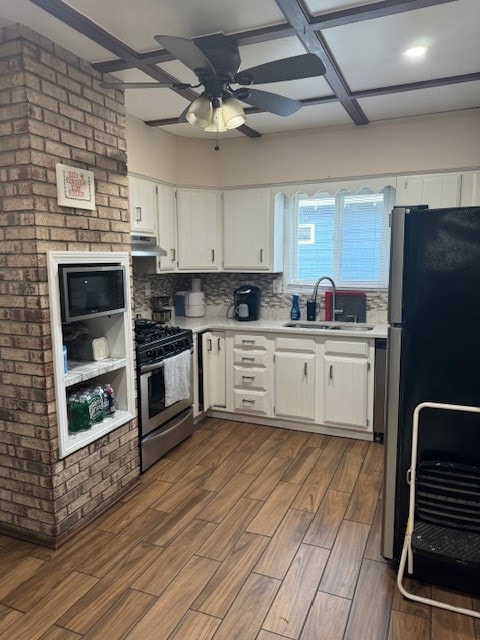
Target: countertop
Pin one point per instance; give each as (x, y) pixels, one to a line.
(198, 325)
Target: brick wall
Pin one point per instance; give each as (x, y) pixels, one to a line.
(52, 110)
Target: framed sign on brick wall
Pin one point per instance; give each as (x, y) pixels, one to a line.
(75, 187)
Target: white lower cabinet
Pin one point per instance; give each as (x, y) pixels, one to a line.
(346, 392)
(250, 374)
(295, 378)
(317, 382)
(214, 370)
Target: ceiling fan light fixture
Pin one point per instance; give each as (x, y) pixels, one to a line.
(217, 123)
(200, 112)
(233, 113)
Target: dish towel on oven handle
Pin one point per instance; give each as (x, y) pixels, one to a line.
(177, 377)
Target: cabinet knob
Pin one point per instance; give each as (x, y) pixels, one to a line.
(261, 256)
(138, 214)
(213, 255)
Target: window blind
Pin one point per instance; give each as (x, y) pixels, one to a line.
(348, 238)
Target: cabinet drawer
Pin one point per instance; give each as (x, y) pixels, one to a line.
(250, 402)
(250, 357)
(295, 344)
(343, 347)
(249, 378)
(251, 341)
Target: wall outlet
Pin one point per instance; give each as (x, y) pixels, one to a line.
(148, 289)
(277, 285)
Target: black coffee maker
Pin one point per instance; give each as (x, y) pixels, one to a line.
(246, 303)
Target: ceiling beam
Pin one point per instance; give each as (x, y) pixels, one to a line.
(295, 12)
(87, 27)
(299, 23)
(150, 57)
(362, 93)
(372, 11)
(242, 38)
(285, 30)
(414, 86)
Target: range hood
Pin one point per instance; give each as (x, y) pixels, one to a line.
(144, 246)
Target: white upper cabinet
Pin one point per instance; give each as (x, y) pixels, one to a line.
(252, 236)
(470, 189)
(199, 229)
(143, 206)
(436, 190)
(167, 227)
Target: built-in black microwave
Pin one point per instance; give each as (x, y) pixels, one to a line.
(89, 291)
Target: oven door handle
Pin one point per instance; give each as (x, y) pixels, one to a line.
(152, 367)
(156, 365)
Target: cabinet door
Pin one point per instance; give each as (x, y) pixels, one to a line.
(345, 391)
(143, 205)
(214, 370)
(247, 229)
(167, 227)
(470, 189)
(437, 191)
(198, 213)
(295, 385)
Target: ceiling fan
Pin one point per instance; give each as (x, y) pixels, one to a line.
(215, 60)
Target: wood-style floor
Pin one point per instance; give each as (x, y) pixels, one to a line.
(242, 532)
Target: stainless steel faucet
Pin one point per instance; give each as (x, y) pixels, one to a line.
(334, 295)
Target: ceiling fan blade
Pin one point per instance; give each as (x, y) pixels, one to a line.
(186, 51)
(307, 65)
(279, 105)
(137, 85)
(183, 116)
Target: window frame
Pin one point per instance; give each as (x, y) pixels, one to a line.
(290, 283)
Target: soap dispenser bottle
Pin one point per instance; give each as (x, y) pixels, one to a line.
(295, 310)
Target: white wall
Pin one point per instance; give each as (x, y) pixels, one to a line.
(405, 145)
(150, 151)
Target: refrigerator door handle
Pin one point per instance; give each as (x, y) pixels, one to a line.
(391, 438)
(395, 288)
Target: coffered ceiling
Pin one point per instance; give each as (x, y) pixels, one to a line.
(360, 42)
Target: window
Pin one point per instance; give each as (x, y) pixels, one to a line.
(306, 233)
(344, 236)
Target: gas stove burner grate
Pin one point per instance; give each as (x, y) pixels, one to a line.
(147, 331)
(156, 341)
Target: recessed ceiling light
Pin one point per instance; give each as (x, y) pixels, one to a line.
(416, 52)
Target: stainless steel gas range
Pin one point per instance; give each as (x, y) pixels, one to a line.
(162, 427)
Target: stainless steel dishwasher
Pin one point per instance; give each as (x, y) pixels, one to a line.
(379, 389)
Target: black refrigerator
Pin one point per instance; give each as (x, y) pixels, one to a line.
(433, 356)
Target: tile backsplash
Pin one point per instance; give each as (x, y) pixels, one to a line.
(219, 288)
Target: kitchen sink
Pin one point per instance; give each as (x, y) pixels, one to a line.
(323, 326)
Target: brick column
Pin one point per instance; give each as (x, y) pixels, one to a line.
(52, 110)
